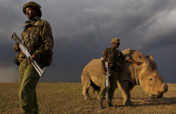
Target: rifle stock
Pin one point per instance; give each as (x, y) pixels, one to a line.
(107, 81)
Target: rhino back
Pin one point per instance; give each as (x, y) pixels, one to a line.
(94, 70)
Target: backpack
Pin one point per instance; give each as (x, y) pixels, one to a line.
(48, 56)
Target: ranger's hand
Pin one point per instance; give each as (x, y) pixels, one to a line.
(33, 57)
(104, 72)
(16, 47)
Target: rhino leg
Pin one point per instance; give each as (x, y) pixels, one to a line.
(125, 90)
(97, 94)
(86, 84)
(85, 93)
(96, 90)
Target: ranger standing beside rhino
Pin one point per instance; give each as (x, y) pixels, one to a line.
(113, 57)
(145, 75)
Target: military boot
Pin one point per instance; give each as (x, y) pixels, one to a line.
(110, 103)
(101, 103)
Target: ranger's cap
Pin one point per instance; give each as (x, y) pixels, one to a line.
(34, 5)
(115, 40)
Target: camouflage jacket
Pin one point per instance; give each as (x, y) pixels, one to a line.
(37, 37)
(114, 58)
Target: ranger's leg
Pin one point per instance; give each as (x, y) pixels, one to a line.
(27, 90)
(35, 104)
(124, 88)
(113, 86)
(102, 91)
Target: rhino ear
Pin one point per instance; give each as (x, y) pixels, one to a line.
(152, 61)
(150, 57)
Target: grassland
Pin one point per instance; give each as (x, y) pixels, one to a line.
(66, 98)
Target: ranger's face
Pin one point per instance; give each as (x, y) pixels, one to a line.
(115, 45)
(30, 12)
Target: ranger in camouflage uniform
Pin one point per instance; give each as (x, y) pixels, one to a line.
(37, 37)
(113, 57)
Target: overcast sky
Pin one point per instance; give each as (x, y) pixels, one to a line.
(82, 29)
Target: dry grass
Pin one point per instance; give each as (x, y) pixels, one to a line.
(54, 98)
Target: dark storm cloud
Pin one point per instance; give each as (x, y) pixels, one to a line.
(82, 29)
(11, 16)
(162, 32)
(164, 56)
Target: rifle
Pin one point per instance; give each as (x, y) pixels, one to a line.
(24, 49)
(107, 81)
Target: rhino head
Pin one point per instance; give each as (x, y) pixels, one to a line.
(150, 80)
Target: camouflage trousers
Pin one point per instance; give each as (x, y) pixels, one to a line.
(28, 78)
(113, 85)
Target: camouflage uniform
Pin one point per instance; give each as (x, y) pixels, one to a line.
(113, 57)
(37, 37)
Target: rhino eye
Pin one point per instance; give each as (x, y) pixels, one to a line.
(150, 79)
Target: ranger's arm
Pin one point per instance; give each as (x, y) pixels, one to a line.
(47, 39)
(103, 61)
(133, 61)
(126, 58)
(103, 65)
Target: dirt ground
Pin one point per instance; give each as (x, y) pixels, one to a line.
(59, 98)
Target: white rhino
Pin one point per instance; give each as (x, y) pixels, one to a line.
(145, 75)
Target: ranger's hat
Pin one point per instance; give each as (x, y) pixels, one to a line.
(34, 5)
(115, 40)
